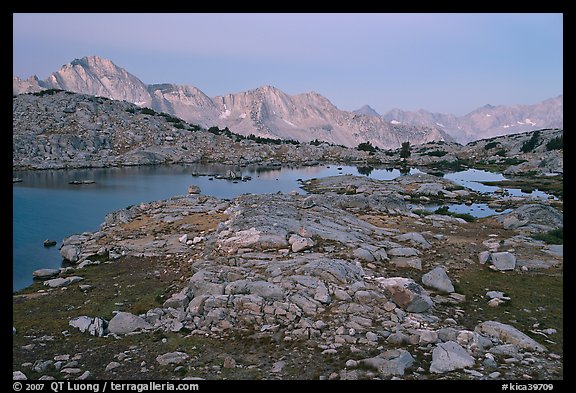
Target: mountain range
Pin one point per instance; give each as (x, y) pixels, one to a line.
(269, 112)
(487, 121)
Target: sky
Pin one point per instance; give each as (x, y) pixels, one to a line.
(446, 63)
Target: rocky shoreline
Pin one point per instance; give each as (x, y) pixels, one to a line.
(65, 130)
(351, 281)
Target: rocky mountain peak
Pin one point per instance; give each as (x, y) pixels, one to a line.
(98, 76)
(366, 110)
(93, 62)
(268, 111)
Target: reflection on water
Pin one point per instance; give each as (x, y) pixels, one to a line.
(471, 179)
(46, 206)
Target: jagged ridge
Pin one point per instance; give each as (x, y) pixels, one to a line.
(265, 111)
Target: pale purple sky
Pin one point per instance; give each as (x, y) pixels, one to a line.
(449, 63)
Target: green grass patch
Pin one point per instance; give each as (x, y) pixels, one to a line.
(47, 92)
(491, 145)
(456, 165)
(422, 212)
(555, 236)
(535, 298)
(553, 185)
(443, 210)
(148, 111)
(435, 153)
(555, 143)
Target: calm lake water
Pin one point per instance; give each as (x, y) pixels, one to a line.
(45, 206)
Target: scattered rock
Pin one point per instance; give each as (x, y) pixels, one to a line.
(45, 273)
(192, 189)
(178, 300)
(391, 362)
(410, 262)
(351, 363)
(18, 376)
(406, 293)
(300, 243)
(264, 289)
(85, 375)
(484, 257)
(82, 323)
(229, 362)
(398, 338)
(496, 295)
(370, 336)
(431, 189)
(278, 366)
(72, 370)
(172, 358)
(495, 302)
(490, 364)
(111, 366)
(449, 356)
(70, 253)
(363, 254)
(403, 252)
(510, 350)
(427, 337)
(556, 249)
(509, 334)
(41, 366)
(62, 282)
(503, 260)
(124, 322)
(49, 243)
(246, 279)
(95, 326)
(438, 279)
(415, 238)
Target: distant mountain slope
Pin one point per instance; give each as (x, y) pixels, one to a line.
(487, 121)
(265, 111)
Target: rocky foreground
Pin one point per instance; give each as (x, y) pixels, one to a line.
(352, 281)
